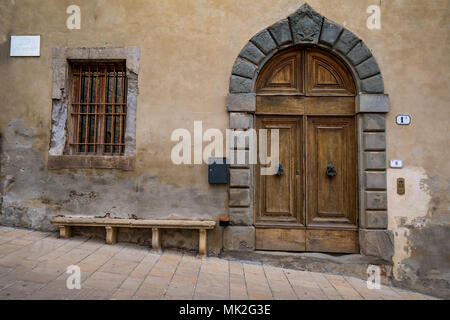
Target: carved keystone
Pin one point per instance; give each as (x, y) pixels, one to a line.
(305, 25)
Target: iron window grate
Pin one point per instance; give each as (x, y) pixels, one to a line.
(99, 108)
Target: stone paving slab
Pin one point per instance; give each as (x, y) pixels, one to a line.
(33, 265)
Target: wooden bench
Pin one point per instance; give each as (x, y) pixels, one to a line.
(111, 225)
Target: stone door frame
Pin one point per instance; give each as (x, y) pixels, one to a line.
(307, 27)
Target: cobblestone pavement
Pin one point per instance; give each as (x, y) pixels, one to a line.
(33, 266)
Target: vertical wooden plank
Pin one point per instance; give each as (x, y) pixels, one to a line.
(65, 232)
(111, 235)
(156, 240)
(202, 243)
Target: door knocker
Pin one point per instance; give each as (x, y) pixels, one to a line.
(331, 171)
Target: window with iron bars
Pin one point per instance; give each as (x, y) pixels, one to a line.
(99, 108)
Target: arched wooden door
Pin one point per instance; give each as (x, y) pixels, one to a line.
(309, 95)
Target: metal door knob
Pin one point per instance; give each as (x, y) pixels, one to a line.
(331, 171)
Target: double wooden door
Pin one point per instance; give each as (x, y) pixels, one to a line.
(310, 202)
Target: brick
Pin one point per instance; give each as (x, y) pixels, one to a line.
(241, 216)
(372, 103)
(374, 141)
(376, 220)
(252, 53)
(358, 54)
(281, 32)
(378, 243)
(375, 180)
(244, 68)
(368, 68)
(240, 84)
(242, 139)
(241, 102)
(373, 84)
(372, 122)
(239, 197)
(375, 200)
(240, 120)
(375, 160)
(346, 42)
(238, 238)
(330, 32)
(235, 161)
(240, 178)
(264, 41)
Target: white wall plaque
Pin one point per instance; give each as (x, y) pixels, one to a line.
(403, 119)
(25, 46)
(396, 163)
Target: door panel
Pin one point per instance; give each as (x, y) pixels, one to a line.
(279, 199)
(300, 105)
(325, 75)
(332, 240)
(331, 199)
(309, 95)
(282, 74)
(280, 239)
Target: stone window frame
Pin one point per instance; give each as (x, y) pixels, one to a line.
(58, 158)
(307, 27)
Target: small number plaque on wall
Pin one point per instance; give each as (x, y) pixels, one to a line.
(396, 164)
(403, 119)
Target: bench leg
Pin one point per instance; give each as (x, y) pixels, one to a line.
(202, 244)
(111, 235)
(156, 240)
(65, 231)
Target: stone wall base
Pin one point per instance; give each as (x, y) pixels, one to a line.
(239, 238)
(377, 243)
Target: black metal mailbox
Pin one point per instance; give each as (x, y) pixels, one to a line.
(217, 170)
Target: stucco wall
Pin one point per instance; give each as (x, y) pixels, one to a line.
(187, 51)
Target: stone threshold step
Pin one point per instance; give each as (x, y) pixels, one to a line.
(354, 265)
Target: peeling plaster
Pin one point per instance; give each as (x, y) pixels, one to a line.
(421, 230)
(32, 195)
(414, 203)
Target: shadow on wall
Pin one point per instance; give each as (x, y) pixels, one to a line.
(171, 238)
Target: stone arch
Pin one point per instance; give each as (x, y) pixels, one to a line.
(306, 27)
(309, 28)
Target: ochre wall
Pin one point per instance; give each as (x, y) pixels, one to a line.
(187, 51)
